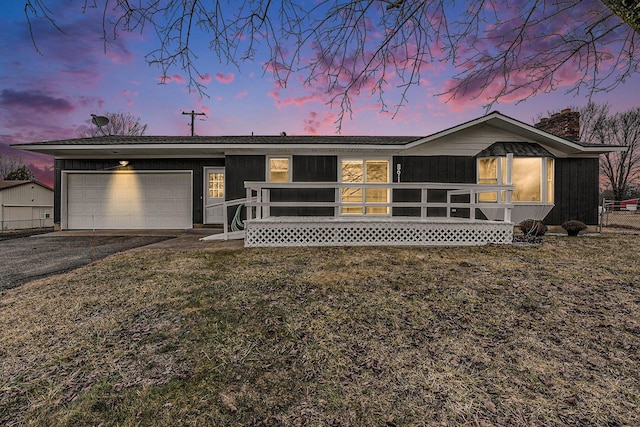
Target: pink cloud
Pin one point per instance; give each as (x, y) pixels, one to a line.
(205, 79)
(313, 124)
(120, 56)
(242, 94)
(225, 79)
(299, 101)
(176, 78)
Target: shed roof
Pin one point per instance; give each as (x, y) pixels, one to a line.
(4, 184)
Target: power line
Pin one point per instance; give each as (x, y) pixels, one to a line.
(193, 114)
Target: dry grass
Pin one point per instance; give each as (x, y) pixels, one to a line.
(482, 336)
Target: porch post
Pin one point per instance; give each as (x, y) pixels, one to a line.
(225, 221)
(507, 209)
(249, 210)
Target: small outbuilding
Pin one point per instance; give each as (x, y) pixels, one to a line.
(25, 204)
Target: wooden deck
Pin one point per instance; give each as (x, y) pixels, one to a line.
(261, 228)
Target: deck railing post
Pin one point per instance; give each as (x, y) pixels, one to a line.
(472, 204)
(266, 198)
(508, 195)
(248, 204)
(225, 221)
(258, 203)
(424, 194)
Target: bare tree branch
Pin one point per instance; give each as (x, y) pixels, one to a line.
(119, 124)
(621, 169)
(355, 48)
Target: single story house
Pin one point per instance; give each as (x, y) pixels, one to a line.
(176, 182)
(25, 204)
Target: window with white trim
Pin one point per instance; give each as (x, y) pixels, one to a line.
(279, 169)
(532, 177)
(363, 200)
(216, 185)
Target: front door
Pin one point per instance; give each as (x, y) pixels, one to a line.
(213, 195)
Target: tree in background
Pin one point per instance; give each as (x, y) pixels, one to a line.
(8, 164)
(621, 169)
(500, 49)
(119, 124)
(23, 173)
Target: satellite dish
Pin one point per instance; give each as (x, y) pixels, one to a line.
(99, 120)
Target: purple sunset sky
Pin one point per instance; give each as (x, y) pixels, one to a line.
(49, 94)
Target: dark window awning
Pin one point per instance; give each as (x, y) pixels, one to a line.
(519, 149)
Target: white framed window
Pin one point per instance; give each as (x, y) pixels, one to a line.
(279, 169)
(45, 213)
(360, 199)
(216, 185)
(533, 178)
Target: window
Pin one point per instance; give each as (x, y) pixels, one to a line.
(532, 177)
(45, 213)
(216, 185)
(359, 200)
(279, 169)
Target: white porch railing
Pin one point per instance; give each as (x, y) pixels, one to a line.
(233, 229)
(260, 201)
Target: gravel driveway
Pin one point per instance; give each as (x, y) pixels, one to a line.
(27, 258)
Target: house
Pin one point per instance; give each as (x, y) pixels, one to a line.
(25, 204)
(175, 182)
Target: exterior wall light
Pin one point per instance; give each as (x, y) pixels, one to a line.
(124, 162)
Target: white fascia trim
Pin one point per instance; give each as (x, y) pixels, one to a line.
(197, 151)
(572, 146)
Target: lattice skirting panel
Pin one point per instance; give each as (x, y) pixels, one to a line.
(282, 233)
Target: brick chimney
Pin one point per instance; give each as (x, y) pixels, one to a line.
(565, 124)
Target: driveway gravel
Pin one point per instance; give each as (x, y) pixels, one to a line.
(23, 259)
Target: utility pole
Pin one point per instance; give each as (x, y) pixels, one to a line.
(193, 114)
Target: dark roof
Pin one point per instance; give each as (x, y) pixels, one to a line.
(15, 183)
(242, 139)
(519, 149)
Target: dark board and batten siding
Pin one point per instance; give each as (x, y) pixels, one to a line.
(195, 165)
(576, 180)
(450, 169)
(309, 169)
(458, 169)
(576, 191)
(241, 168)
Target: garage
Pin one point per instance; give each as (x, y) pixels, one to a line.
(127, 200)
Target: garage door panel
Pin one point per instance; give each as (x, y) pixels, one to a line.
(129, 200)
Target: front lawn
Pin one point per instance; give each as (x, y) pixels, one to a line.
(517, 335)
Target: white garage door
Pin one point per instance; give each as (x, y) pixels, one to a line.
(128, 200)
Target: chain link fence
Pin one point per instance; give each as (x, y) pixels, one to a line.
(620, 214)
